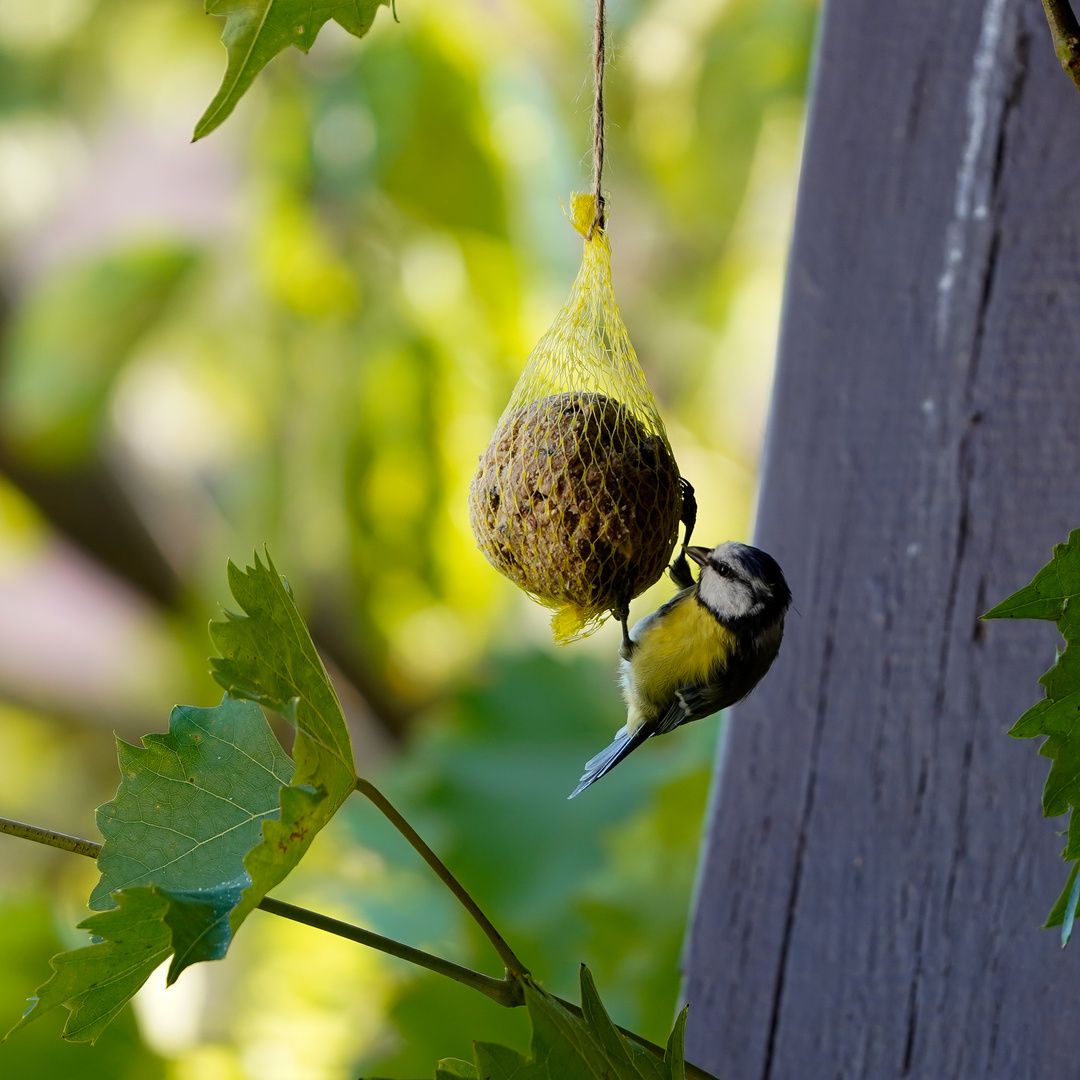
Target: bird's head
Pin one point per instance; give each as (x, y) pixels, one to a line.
(740, 585)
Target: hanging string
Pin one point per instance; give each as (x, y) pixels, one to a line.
(598, 115)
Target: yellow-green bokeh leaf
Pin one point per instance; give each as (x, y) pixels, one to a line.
(73, 332)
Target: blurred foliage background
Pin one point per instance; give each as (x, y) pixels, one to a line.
(300, 331)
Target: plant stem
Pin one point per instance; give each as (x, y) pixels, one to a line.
(505, 991)
(371, 792)
(52, 839)
(1065, 31)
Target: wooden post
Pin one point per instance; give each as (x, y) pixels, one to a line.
(876, 866)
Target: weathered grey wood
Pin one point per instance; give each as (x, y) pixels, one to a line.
(876, 867)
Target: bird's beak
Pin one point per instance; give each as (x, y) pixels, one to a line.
(700, 555)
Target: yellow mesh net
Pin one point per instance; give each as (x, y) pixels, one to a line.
(577, 498)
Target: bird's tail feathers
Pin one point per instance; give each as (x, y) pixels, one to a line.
(623, 744)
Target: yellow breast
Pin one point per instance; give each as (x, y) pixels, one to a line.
(681, 648)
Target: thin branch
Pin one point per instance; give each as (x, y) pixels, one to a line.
(506, 992)
(52, 839)
(370, 791)
(1065, 31)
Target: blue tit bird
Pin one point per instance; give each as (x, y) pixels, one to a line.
(703, 650)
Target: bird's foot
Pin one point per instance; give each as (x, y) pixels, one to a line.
(626, 649)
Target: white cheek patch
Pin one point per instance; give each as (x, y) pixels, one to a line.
(726, 597)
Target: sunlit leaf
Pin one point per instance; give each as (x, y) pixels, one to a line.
(257, 30)
(1053, 595)
(95, 983)
(428, 112)
(28, 937)
(190, 806)
(146, 926)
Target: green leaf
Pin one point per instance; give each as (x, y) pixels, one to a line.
(190, 806)
(198, 922)
(455, 1069)
(147, 924)
(191, 803)
(495, 1062)
(602, 1029)
(257, 30)
(206, 821)
(96, 982)
(1048, 594)
(1053, 594)
(673, 1058)
(71, 335)
(1057, 915)
(568, 1047)
(267, 656)
(28, 937)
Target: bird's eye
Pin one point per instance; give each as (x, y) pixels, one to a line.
(723, 569)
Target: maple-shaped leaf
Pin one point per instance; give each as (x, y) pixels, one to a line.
(267, 656)
(1054, 594)
(257, 30)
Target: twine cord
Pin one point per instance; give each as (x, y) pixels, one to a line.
(598, 114)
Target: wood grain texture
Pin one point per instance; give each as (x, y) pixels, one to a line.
(876, 866)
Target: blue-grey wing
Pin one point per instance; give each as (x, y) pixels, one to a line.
(695, 702)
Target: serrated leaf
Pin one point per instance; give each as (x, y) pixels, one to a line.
(1048, 594)
(570, 1047)
(603, 1030)
(147, 924)
(205, 821)
(191, 802)
(267, 656)
(96, 982)
(560, 1041)
(189, 807)
(1054, 594)
(257, 30)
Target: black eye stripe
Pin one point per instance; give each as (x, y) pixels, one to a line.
(725, 570)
